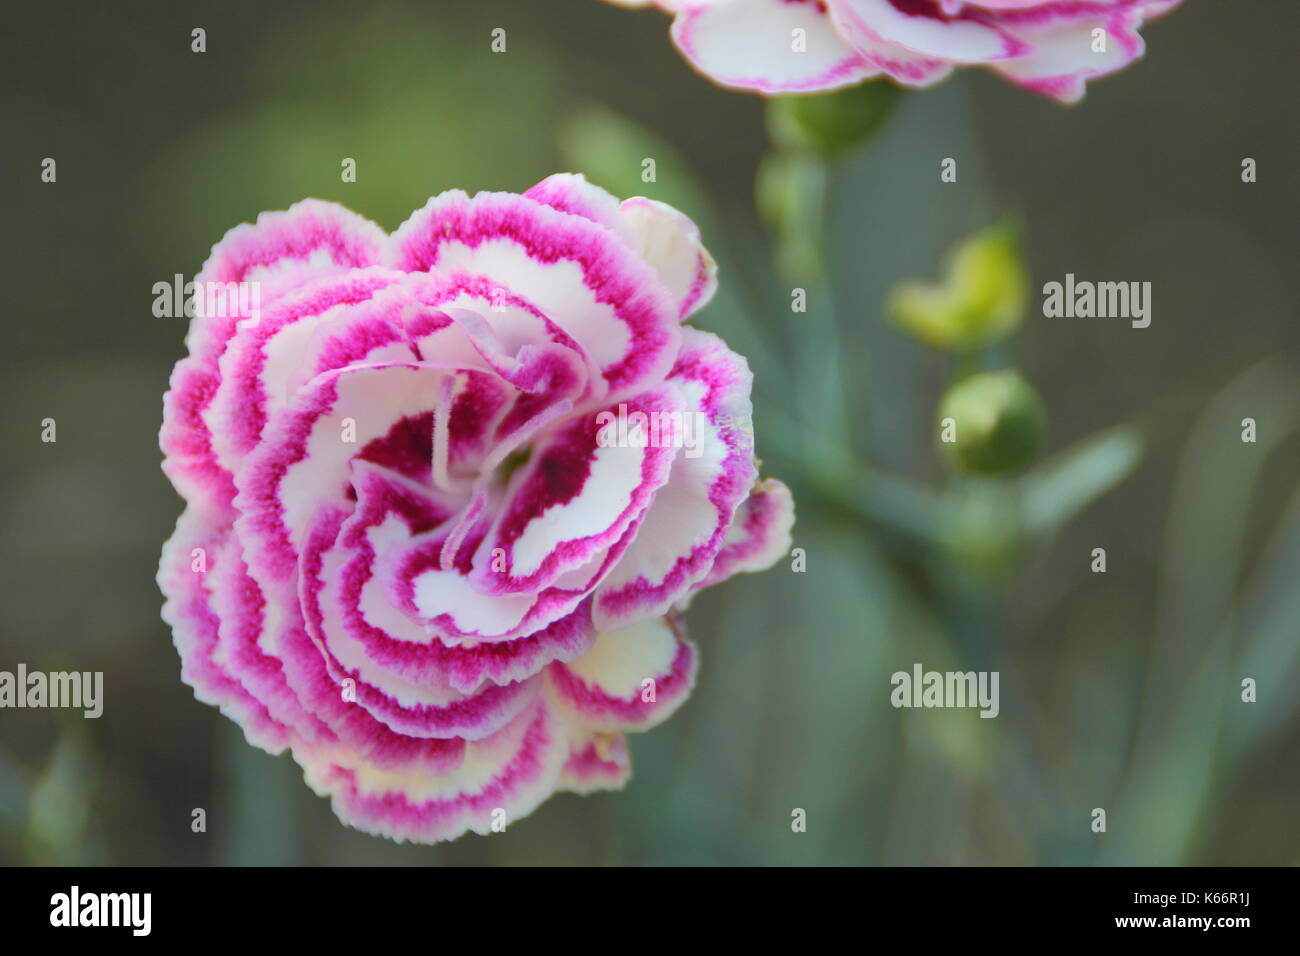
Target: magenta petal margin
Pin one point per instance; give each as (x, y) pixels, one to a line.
(408, 555)
(804, 46)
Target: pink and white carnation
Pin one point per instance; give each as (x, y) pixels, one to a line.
(803, 46)
(411, 553)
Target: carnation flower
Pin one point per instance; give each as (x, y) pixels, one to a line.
(803, 46)
(414, 553)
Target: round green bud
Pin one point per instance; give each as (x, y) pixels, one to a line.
(828, 124)
(991, 422)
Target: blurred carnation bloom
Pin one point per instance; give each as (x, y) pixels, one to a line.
(803, 46)
(408, 555)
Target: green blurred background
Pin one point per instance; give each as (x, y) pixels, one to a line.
(1119, 690)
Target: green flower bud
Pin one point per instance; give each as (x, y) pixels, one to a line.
(991, 422)
(830, 123)
(981, 298)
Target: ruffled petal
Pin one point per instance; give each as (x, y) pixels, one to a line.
(670, 241)
(712, 472)
(304, 462)
(656, 232)
(500, 780)
(759, 536)
(598, 762)
(967, 37)
(1062, 57)
(575, 499)
(574, 194)
(280, 252)
(264, 363)
(191, 554)
(754, 45)
(633, 678)
(575, 271)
